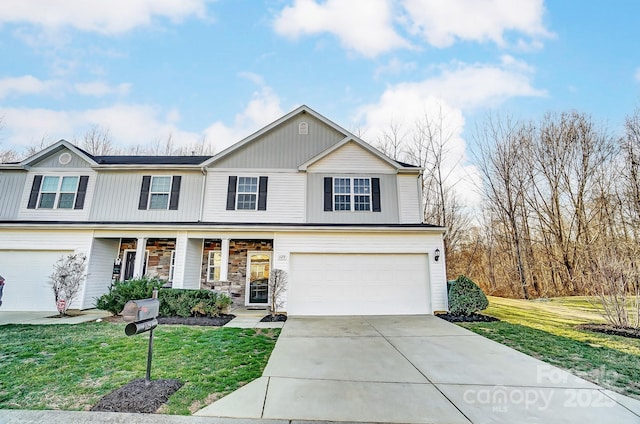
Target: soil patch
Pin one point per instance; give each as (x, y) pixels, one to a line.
(70, 313)
(274, 318)
(467, 318)
(610, 329)
(137, 397)
(210, 321)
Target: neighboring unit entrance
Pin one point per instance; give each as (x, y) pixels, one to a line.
(258, 269)
(358, 284)
(130, 264)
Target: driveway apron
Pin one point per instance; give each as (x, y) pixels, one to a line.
(413, 369)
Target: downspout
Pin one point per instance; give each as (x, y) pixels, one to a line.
(202, 193)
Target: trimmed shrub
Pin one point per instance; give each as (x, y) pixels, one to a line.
(192, 303)
(120, 292)
(466, 298)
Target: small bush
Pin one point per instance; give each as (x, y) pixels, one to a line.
(120, 292)
(186, 303)
(466, 298)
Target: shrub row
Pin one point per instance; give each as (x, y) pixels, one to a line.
(173, 302)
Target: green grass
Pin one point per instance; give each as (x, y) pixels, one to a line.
(547, 330)
(70, 367)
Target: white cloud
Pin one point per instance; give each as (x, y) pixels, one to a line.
(442, 23)
(26, 84)
(444, 98)
(364, 26)
(105, 17)
(262, 109)
(100, 89)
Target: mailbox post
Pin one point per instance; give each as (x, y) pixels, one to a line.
(142, 316)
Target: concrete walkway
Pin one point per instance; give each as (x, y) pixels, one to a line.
(45, 318)
(413, 369)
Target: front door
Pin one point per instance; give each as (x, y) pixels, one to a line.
(258, 269)
(130, 264)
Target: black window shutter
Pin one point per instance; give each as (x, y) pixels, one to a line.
(35, 190)
(375, 198)
(231, 193)
(144, 192)
(82, 192)
(328, 194)
(262, 194)
(175, 193)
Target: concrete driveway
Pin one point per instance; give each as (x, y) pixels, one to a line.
(413, 369)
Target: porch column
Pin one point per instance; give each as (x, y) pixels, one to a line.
(141, 257)
(224, 260)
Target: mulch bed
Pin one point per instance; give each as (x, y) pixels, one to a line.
(211, 321)
(137, 397)
(274, 318)
(610, 329)
(467, 318)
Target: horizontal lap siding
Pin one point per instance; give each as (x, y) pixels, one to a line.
(285, 199)
(99, 270)
(118, 194)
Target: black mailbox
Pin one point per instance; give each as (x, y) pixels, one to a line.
(141, 310)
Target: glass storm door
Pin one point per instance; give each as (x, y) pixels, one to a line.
(258, 269)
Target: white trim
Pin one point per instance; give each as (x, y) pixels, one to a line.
(250, 193)
(123, 268)
(172, 262)
(210, 267)
(55, 148)
(248, 276)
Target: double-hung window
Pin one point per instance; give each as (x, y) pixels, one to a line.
(247, 194)
(213, 265)
(57, 192)
(159, 192)
(354, 194)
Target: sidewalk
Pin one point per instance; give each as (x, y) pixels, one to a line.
(44, 318)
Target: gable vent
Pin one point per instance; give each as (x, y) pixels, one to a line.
(64, 158)
(303, 128)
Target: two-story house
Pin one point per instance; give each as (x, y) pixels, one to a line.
(302, 195)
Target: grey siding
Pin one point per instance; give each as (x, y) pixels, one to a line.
(193, 264)
(283, 147)
(99, 270)
(52, 161)
(388, 202)
(11, 187)
(117, 195)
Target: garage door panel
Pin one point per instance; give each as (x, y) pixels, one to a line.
(27, 279)
(358, 284)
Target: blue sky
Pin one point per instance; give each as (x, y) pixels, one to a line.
(219, 70)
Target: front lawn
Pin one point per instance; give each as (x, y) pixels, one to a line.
(70, 367)
(547, 330)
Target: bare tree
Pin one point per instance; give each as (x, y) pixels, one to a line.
(66, 281)
(97, 141)
(277, 288)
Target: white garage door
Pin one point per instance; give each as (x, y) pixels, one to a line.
(358, 284)
(27, 280)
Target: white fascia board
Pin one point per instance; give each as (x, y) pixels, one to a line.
(62, 143)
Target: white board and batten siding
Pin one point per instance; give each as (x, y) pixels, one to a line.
(285, 198)
(118, 195)
(386, 244)
(72, 214)
(99, 270)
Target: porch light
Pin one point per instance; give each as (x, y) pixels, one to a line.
(436, 256)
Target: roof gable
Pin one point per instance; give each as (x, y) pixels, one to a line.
(283, 143)
(59, 155)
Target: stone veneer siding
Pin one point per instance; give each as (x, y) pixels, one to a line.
(160, 250)
(237, 266)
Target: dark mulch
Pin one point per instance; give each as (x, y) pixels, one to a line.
(211, 321)
(610, 329)
(274, 318)
(467, 318)
(138, 397)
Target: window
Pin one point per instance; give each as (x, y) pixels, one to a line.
(64, 189)
(351, 194)
(172, 263)
(160, 192)
(247, 192)
(213, 267)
